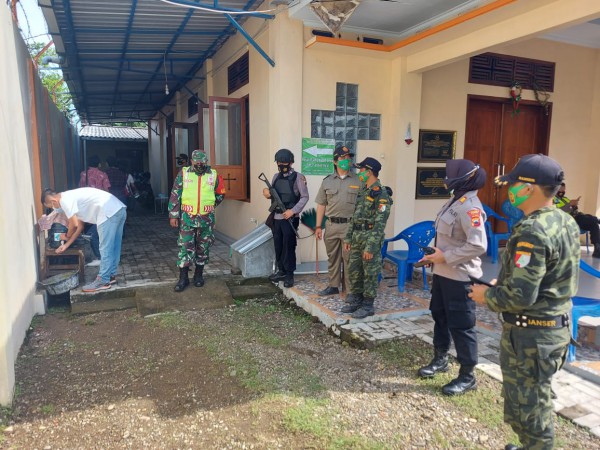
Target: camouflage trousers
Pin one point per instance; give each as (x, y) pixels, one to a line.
(363, 275)
(529, 358)
(195, 238)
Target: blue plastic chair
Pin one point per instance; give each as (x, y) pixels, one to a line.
(513, 213)
(583, 306)
(416, 236)
(494, 238)
(587, 239)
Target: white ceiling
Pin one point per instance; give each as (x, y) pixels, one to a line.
(397, 19)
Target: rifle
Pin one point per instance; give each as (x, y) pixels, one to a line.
(277, 205)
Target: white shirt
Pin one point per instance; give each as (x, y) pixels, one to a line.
(90, 204)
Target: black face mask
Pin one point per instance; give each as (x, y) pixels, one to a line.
(199, 169)
(283, 168)
(560, 194)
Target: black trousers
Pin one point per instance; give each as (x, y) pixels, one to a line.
(284, 238)
(587, 222)
(454, 315)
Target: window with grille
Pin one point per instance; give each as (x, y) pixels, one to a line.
(238, 73)
(503, 70)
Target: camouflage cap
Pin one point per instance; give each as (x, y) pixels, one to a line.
(198, 156)
(534, 169)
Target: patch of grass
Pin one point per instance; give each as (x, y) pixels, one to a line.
(173, 320)
(314, 417)
(309, 416)
(89, 321)
(47, 409)
(5, 416)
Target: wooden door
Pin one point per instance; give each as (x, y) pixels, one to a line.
(496, 137)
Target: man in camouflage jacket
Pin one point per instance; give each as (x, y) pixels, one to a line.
(196, 192)
(364, 240)
(538, 277)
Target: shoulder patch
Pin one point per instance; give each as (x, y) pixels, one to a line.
(375, 188)
(522, 259)
(382, 207)
(463, 199)
(475, 215)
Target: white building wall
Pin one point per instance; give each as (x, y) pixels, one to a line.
(18, 261)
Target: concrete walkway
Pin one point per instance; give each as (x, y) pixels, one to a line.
(149, 255)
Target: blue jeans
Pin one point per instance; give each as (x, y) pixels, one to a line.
(92, 230)
(111, 237)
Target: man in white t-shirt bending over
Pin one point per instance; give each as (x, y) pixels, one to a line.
(102, 209)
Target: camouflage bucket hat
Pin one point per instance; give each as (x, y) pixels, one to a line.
(198, 156)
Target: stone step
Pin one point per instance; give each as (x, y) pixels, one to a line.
(247, 288)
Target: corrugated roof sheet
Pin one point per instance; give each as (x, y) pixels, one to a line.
(118, 55)
(114, 133)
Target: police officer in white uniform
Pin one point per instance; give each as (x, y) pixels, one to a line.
(460, 240)
(336, 200)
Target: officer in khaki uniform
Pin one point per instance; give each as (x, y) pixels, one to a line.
(336, 200)
(538, 277)
(460, 240)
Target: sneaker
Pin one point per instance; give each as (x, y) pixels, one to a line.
(96, 285)
(94, 263)
(113, 279)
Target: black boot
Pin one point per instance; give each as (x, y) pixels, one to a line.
(366, 309)
(512, 447)
(439, 363)
(183, 279)
(596, 253)
(353, 302)
(277, 276)
(198, 280)
(465, 382)
(288, 282)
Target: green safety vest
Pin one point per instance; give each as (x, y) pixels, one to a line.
(198, 196)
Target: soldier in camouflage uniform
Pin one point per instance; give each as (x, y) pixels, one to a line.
(196, 192)
(538, 277)
(364, 240)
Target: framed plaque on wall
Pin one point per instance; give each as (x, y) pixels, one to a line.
(430, 183)
(436, 145)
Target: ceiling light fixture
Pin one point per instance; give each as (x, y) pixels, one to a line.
(165, 65)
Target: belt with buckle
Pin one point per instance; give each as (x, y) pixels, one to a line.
(363, 226)
(527, 321)
(339, 219)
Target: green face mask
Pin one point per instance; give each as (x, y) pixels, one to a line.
(512, 195)
(344, 164)
(362, 176)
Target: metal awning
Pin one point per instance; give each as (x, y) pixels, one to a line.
(118, 55)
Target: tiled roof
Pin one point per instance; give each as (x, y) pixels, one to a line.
(114, 133)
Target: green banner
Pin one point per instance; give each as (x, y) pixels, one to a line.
(317, 156)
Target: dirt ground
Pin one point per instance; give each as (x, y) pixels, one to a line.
(255, 375)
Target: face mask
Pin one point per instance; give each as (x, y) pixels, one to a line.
(283, 168)
(344, 164)
(560, 194)
(363, 176)
(512, 195)
(199, 168)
